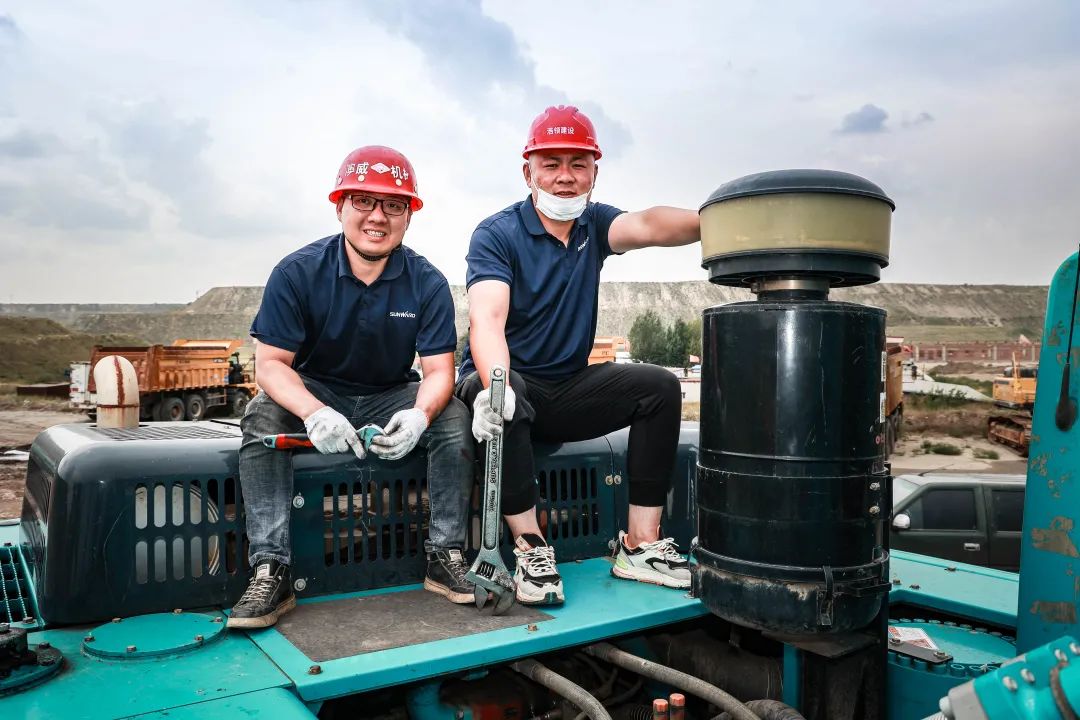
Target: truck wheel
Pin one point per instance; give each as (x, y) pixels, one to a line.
(195, 406)
(171, 409)
(239, 403)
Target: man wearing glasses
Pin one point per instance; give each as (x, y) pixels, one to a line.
(534, 278)
(339, 325)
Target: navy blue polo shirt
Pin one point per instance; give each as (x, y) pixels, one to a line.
(554, 289)
(358, 339)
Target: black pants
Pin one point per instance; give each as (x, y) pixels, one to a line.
(593, 402)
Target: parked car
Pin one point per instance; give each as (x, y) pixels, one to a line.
(975, 519)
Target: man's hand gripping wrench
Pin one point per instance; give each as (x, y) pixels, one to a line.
(488, 571)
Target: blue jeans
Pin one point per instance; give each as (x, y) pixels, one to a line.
(266, 475)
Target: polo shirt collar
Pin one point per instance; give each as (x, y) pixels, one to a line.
(532, 220)
(394, 267)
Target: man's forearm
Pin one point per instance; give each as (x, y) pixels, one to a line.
(488, 346)
(434, 392)
(672, 227)
(287, 389)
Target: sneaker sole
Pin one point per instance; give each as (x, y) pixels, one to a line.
(550, 598)
(650, 576)
(454, 597)
(262, 622)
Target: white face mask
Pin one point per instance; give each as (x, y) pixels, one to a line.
(559, 208)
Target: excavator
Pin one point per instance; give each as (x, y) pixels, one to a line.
(1014, 390)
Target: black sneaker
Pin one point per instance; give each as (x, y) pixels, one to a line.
(536, 574)
(268, 596)
(445, 575)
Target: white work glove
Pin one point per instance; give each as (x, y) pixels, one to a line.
(401, 434)
(331, 432)
(486, 423)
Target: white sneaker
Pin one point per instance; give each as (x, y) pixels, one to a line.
(658, 562)
(535, 573)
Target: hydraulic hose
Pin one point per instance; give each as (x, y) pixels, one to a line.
(555, 682)
(683, 681)
(768, 710)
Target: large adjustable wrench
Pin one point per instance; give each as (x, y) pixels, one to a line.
(488, 571)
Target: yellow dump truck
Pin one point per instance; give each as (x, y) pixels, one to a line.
(1013, 389)
(181, 381)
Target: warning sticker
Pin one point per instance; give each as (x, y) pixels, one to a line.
(884, 364)
(915, 636)
(881, 409)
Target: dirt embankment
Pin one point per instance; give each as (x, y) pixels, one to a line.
(39, 350)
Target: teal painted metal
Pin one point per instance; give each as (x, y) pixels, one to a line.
(423, 703)
(157, 635)
(979, 594)
(915, 686)
(25, 677)
(598, 607)
(274, 704)
(18, 605)
(1022, 689)
(1049, 555)
(91, 688)
(792, 688)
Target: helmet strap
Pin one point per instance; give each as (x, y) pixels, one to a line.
(370, 258)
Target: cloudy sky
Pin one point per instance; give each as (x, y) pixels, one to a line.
(150, 151)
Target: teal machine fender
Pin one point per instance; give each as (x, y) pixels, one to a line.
(1049, 559)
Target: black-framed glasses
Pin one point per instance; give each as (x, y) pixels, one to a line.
(390, 206)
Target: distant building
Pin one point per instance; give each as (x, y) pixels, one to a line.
(609, 348)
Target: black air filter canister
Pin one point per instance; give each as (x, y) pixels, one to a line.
(791, 479)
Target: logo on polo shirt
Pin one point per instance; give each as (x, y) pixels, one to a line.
(582, 245)
(402, 314)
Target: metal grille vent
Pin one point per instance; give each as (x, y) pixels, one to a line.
(374, 520)
(16, 600)
(187, 431)
(187, 530)
(568, 505)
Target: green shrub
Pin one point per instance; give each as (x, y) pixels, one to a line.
(981, 454)
(942, 448)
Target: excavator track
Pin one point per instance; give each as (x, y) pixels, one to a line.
(1010, 430)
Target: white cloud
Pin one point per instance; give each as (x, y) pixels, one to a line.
(173, 148)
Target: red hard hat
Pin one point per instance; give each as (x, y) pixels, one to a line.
(562, 127)
(379, 169)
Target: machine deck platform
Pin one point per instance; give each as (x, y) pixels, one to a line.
(597, 607)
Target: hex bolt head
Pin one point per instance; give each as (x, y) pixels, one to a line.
(896, 581)
(117, 619)
(177, 611)
(532, 628)
(298, 502)
(875, 486)
(1061, 656)
(940, 654)
(28, 620)
(217, 619)
(131, 648)
(1010, 684)
(314, 670)
(300, 584)
(894, 640)
(43, 646)
(875, 510)
(198, 638)
(618, 479)
(914, 586)
(1074, 648)
(89, 637)
(608, 480)
(1029, 677)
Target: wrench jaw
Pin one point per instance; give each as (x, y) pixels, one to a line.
(489, 578)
